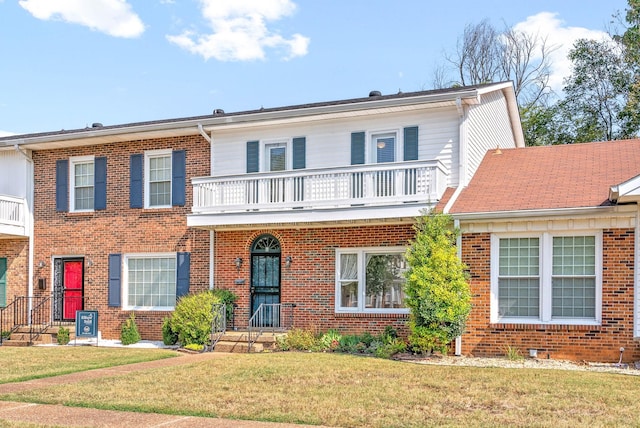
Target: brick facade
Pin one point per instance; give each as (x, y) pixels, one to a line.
(589, 343)
(118, 229)
(16, 251)
(310, 280)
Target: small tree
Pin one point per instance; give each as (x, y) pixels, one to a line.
(437, 291)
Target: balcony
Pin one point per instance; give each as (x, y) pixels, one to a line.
(355, 192)
(12, 216)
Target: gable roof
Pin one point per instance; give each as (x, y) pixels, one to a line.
(549, 177)
(99, 134)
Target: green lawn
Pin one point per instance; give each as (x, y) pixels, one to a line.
(20, 364)
(343, 390)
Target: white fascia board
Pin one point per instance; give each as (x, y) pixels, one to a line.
(628, 191)
(532, 214)
(306, 218)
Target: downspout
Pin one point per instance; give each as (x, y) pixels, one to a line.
(636, 279)
(29, 219)
(456, 224)
(462, 177)
(203, 133)
(212, 253)
(212, 233)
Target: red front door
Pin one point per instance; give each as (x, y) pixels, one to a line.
(72, 292)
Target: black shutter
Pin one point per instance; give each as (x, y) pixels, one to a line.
(411, 143)
(183, 274)
(115, 273)
(100, 183)
(62, 186)
(299, 153)
(135, 181)
(178, 179)
(253, 156)
(357, 148)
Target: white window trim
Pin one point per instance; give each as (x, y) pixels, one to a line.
(125, 280)
(545, 272)
(361, 309)
(147, 169)
(370, 152)
(265, 144)
(73, 161)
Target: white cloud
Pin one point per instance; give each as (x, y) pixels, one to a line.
(113, 17)
(562, 38)
(240, 31)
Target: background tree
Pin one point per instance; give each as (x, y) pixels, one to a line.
(436, 290)
(596, 92)
(485, 54)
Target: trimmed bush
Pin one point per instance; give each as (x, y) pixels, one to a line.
(437, 292)
(169, 337)
(129, 333)
(192, 318)
(227, 297)
(63, 336)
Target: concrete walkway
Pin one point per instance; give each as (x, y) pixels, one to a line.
(58, 415)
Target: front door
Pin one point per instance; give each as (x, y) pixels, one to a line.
(68, 288)
(265, 274)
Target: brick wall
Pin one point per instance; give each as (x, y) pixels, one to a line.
(17, 253)
(589, 343)
(310, 281)
(118, 229)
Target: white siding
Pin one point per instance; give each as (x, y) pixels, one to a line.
(487, 127)
(14, 174)
(328, 142)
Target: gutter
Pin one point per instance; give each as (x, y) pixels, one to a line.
(493, 215)
(30, 268)
(203, 133)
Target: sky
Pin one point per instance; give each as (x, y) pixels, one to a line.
(66, 64)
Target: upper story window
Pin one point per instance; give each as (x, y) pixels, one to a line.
(370, 280)
(158, 179)
(81, 184)
(546, 278)
(82, 180)
(276, 156)
(383, 147)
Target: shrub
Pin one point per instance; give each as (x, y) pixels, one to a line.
(513, 353)
(391, 347)
(63, 336)
(351, 344)
(129, 333)
(194, 347)
(299, 340)
(192, 318)
(330, 340)
(169, 337)
(437, 292)
(6, 334)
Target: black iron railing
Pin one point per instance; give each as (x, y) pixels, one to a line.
(218, 325)
(273, 317)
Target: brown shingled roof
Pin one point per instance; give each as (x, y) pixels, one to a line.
(549, 177)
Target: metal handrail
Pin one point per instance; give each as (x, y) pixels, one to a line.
(269, 316)
(40, 317)
(218, 325)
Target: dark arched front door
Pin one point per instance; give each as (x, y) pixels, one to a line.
(265, 271)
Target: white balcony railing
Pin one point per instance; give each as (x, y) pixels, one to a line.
(12, 211)
(342, 187)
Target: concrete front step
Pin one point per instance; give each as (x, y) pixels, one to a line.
(21, 336)
(237, 341)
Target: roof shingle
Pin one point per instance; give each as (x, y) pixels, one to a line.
(549, 177)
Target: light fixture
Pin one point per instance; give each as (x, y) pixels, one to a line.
(287, 261)
(238, 262)
(41, 264)
(380, 144)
